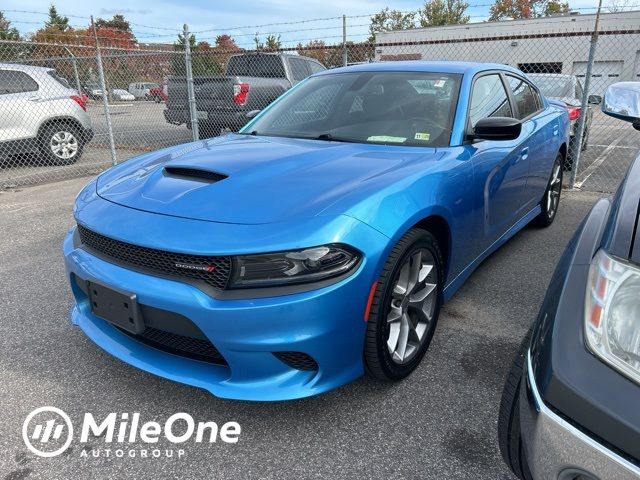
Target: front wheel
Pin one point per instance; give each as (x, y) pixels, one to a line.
(551, 199)
(405, 307)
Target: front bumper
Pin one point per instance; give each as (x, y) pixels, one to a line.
(556, 449)
(326, 324)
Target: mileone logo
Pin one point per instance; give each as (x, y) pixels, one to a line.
(48, 431)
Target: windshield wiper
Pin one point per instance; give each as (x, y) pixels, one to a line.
(330, 138)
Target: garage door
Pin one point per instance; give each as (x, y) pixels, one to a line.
(603, 74)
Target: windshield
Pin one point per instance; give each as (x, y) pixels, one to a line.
(402, 108)
(552, 86)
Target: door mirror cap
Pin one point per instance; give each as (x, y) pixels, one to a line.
(622, 100)
(251, 113)
(497, 128)
(595, 99)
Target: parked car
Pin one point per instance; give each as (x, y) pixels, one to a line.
(570, 404)
(93, 91)
(568, 89)
(251, 83)
(320, 241)
(40, 113)
(121, 95)
(141, 90)
(158, 94)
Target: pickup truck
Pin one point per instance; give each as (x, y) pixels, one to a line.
(252, 82)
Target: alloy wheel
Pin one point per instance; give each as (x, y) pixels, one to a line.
(413, 304)
(553, 194)
(64, 145)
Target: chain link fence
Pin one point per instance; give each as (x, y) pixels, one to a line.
(75, 110)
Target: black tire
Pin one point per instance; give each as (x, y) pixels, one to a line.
(377, 359)
(549, 206)
(47, 137)
(509, 438)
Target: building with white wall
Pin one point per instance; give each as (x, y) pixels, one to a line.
(558, 44)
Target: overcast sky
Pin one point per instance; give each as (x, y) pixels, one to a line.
(221, 16)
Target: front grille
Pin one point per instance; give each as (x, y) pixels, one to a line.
(213, 271)
(195, 348)
(297, 360)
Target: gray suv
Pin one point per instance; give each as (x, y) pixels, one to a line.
(41, 113)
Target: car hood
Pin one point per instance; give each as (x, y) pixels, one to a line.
(253, 180)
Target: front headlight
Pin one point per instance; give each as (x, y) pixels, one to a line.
(612, 314)
(296, 266)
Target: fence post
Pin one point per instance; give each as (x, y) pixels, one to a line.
(105, 100)
(193, 110)
(345, 59)
(579, 134)
(75, 69)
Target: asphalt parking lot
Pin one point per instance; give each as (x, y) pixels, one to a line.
(438, 424)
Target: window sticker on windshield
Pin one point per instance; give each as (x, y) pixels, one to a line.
(438, 83)
(422, 136)
(386, 138)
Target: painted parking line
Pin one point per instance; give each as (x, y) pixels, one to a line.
(598, 161)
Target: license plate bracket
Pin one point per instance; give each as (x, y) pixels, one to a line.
(116, 307)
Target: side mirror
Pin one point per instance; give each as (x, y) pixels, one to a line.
(595, 99)
(251, 113)
(497, 128)
(622, 100)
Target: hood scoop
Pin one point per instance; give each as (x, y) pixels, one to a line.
(196, 174)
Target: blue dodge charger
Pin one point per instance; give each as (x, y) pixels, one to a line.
(321, 241)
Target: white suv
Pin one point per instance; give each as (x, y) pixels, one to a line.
(39, 112)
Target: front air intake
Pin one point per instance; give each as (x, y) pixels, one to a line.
(297, 360)
(196, 174)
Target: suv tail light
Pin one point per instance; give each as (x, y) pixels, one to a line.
(240, 93)
(574, 113)
(80, 100)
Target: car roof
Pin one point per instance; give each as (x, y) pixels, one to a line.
(551, 75)
(464, 68)
(24, 68)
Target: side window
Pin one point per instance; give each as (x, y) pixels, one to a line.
(488, 99)
(315, 67)
(12, 81)
(298, 69)
(525, 97)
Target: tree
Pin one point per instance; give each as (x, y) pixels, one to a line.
(118, 23)
(388, 20)
(436, 13)
(226, 43)
(7, 32)
(555, 7)
(55, 21)
(504, 9)
(316, 49)
(272, 43)
(203, 61)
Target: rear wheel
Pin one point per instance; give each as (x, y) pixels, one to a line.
(509, 438)
(551, 199)
(405, 307)
(61, 143)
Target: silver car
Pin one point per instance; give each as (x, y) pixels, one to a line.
(41, 113)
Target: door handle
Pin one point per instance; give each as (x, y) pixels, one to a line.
(34, 99)
(524, 153)
(555, 130)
